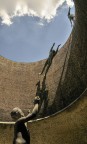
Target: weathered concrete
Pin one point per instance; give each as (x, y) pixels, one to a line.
(66, 79)
(18, 83)
(66, 127)
(74, 81)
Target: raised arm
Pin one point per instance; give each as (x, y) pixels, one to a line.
(69, 12)
(32, 115)
(52, 47)
(25, 119)
(58, 48)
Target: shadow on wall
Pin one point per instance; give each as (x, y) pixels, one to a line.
(69, 126)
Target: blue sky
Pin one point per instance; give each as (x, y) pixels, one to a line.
(29, 38)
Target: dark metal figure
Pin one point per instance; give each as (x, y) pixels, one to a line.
(42, 92)
(38, 91)
(21, 133)
(48, 62)
(71, 17)
(44, 96)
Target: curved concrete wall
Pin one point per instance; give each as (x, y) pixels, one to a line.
(18, 83)
(75, 80)
(67, 127)
(66, 79)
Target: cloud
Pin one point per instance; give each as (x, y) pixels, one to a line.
(45, 9)
(69, 3)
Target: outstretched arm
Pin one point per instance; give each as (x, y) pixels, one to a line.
(69, 12)
(58, 48)
(30, 116)
(52, 47)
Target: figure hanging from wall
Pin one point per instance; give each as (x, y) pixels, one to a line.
(38, 91)
(71, 17)
(42, 92)
(48, 62)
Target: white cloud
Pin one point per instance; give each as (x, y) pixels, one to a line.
(44, 9)
(69, 3)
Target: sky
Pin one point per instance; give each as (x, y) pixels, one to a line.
(29, 28)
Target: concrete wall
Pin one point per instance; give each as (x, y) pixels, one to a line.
(67, 127)
(66, 79)
(74, 81)
(18, 83)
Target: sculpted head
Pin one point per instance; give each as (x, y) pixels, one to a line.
(16, 113)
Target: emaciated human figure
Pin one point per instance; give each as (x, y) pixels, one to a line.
(48, 62)
(21, 133)
(71, 17)
(44, 96)
(38, 91)
(42, 92)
